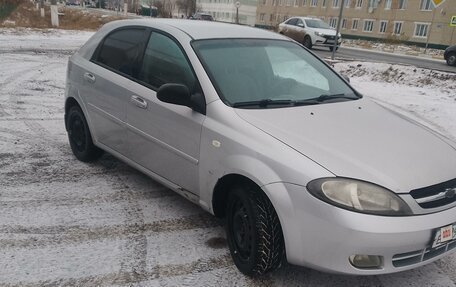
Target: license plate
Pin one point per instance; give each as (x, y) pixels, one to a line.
(444, 234)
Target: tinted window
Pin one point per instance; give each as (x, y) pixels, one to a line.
(121, 49)
(164, 62)
(299, 21)
(291, 21)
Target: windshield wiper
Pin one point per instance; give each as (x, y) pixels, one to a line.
(324, 98)
(263, 103)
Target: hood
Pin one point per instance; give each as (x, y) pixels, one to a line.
(363, 140)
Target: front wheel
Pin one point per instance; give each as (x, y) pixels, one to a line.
(307, 42)
(80, 137)
(451, 59)
(253, 231)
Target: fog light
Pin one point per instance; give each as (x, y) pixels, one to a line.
(367, 261)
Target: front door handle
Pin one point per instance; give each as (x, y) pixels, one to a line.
(139, 102)
(89, 77)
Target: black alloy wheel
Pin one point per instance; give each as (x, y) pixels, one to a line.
(80, 137)
(253, 231)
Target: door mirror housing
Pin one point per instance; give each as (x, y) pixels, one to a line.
(179, 94)
(301, 25)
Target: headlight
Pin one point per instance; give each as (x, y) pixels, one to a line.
(358, 196)
(319, 34)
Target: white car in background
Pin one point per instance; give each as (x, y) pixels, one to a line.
(310, 32)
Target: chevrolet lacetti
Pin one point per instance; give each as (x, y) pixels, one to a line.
(254, 128)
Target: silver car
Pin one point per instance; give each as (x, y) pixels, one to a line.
(253, 127)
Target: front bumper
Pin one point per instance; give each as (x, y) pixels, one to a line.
(327, 41)
(323, 237)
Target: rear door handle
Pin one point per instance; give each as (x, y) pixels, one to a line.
(139, 102)
(89, 77)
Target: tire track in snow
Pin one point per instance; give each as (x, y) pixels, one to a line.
(157, 272)
(74, 234)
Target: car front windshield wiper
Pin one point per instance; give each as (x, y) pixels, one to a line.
(324, 98)
(263, 103)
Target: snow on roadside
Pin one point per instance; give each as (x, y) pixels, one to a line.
(42, 39)
(425, 95)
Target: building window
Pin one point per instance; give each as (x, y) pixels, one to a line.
(304, 3)
(421, 30)
(382, 28)
(262, 17)
(347, 3)
(280, 2)
(368, 25)
(402, 4)
(289, 2)
(313, 3)
(264, 2)
(344, 23)
(323, 3)
(271, 17)
(333, 22)
(388, 4)
(426, 5)
(397, 28)
(355, 24)
(373, 3)
(335, 3)
(359, 3)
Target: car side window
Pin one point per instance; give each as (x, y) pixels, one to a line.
(120, 50)
(299, 23)
(164, 62)
(291, 21)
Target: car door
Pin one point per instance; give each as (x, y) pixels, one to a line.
(105, 90)
(300, 31)
(289, 28)
(165, 138)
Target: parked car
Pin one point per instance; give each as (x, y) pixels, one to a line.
(252, 127)
(450, 55)
(202, 16)
(310, 32)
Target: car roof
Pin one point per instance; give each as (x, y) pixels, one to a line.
(202, 29)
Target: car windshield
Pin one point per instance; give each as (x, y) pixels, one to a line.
(315, 23)
(261, 73)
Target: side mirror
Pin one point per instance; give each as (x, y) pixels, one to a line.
(301, 25)
(179, 94)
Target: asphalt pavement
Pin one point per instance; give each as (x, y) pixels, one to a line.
(346, 53)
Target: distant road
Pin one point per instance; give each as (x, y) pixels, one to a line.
(364, 55)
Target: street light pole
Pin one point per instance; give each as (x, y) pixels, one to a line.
(336, 39)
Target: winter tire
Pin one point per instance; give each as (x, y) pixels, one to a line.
(80, 137)
(253, 231)
(307, 42)
(451, 59)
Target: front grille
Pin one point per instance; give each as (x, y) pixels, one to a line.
(329, 37)
(435, 195)
(409, 258)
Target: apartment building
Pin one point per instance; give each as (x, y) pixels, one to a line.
(415, 21)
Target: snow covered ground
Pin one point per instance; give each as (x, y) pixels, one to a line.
(67, 223)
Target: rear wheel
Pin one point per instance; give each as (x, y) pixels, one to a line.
(253, 231)
(80, 137)
(307, 42)
(451, 59)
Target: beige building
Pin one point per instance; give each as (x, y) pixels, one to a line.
(415, 21)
